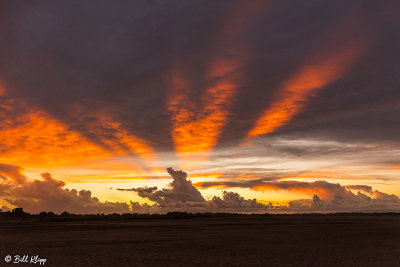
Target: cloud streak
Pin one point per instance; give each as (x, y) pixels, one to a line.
(319, 72)
(197, 127)
(193, 82)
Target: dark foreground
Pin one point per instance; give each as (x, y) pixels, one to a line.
(277, 240)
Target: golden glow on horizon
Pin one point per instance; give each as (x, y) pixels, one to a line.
(321, 192)
(206, 175)
(393, 167)
(264, 187)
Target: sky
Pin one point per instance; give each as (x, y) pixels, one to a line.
(264, 106)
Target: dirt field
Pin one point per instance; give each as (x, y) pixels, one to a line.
(265, 241)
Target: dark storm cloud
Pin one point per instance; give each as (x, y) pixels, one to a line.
(78, 59)
(82, 60)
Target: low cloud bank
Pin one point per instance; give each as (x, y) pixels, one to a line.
(327, 197)
(49, 194)
(182, 195)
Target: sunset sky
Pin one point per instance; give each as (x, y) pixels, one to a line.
(293, 103)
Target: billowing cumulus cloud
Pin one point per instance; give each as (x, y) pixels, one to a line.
(378, 202)
(181, 191)
(13, 172)
(231, 201)
(183, 196)
(365, 188)
(48, 194)
(326, 197)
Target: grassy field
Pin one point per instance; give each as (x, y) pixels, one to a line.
(276, 240)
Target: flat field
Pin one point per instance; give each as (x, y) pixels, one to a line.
(276, 240)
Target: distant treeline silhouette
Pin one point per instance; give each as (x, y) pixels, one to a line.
(20, 214)
(66, 216)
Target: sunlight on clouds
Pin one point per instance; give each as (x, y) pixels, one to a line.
(108, 125)
(276, 197)
(121, 141)
(197, 127)
(294, 94)
(40, 141)
(105, 191)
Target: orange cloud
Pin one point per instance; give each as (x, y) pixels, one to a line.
(294, 94)
(196, 128)
(323, 193)
(205, 185)
(393, 167)
(325, 190)
(39, 141)
(206, 175)
(123, 140)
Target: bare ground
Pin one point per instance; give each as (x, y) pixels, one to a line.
(295, 240)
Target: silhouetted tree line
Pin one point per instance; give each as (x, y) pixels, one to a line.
(19, 213)
(66, 216)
